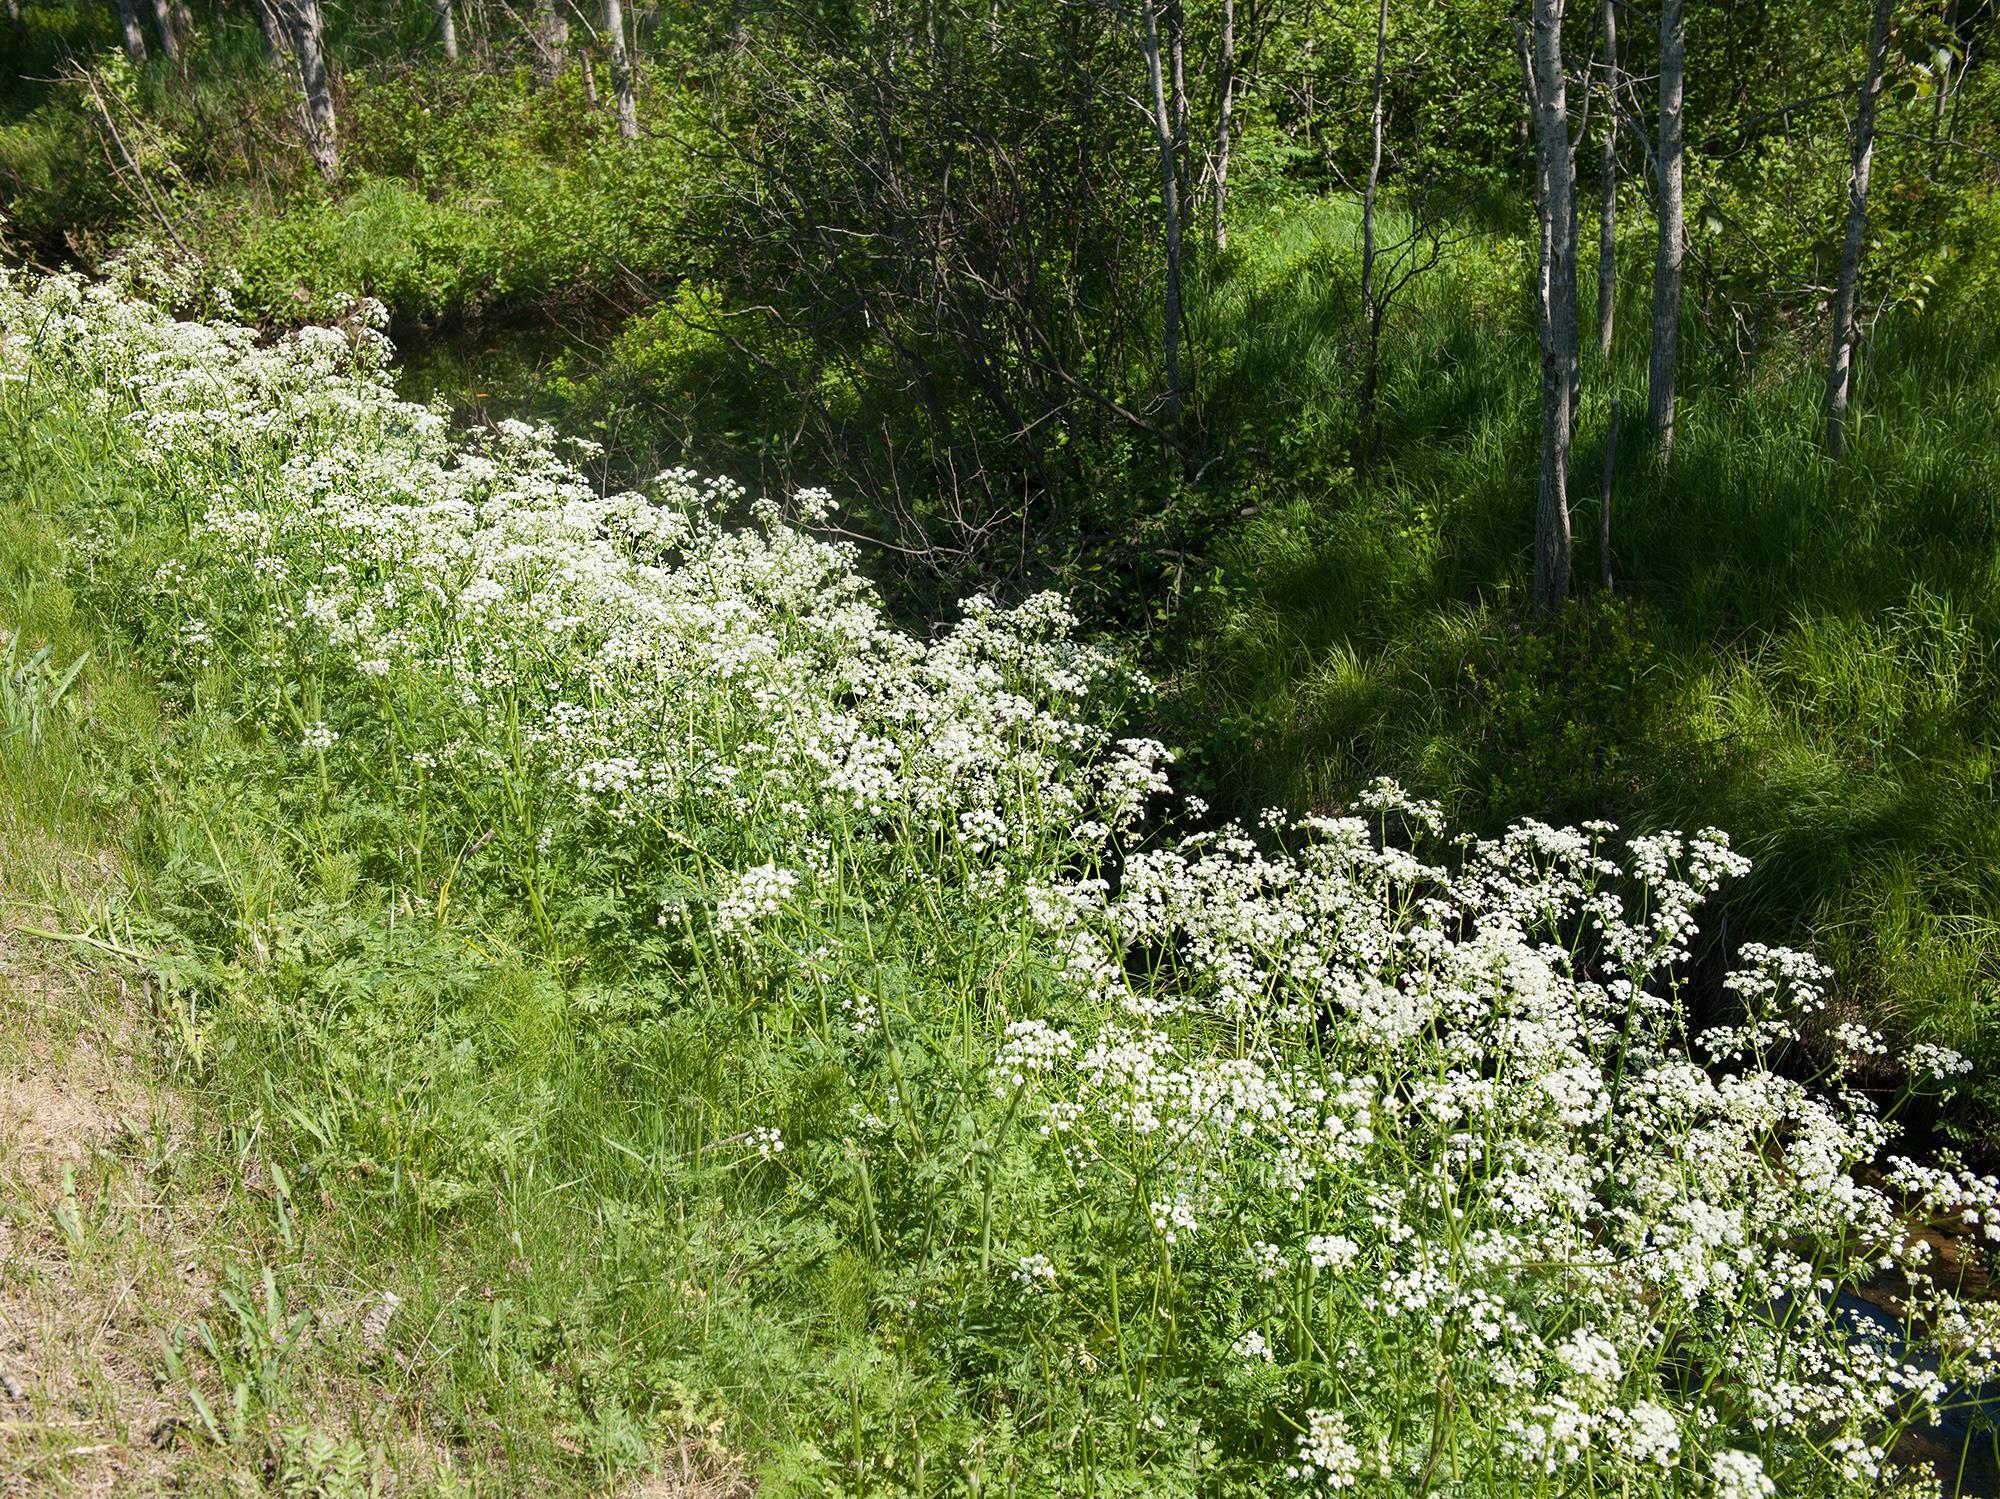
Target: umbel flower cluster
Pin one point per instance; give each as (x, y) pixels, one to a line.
(1343, 1157)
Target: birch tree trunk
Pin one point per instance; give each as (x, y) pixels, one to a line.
(1371, 311)
(447, 28)
(621, 69)
(273, 27)
(163, 17)
(551, 41)
(1604, 497)
(1225, 108)
(309, 44)
(134, 34)
(1607, 183)
(1170, 202)
(1673, 239)
(1177, 95)
(1840, 366)
(1555, 175)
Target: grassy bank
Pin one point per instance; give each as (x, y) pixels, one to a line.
(1804, 656)
(188, 1306)
(1806, 661)
(716, 1016)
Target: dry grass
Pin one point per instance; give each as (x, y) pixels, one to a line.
(121, 1211)
(91, 1258)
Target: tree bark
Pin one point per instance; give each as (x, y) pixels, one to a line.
(1607, 183)
(447, 28)
(1555, 174)
(163, 18)
(308, 43)
(1225, 109)
(273, 27)
(551, 41)
(621, 69)
(1840, 365)
(1673, 237)
(1604, 498)
(134, 34)
(1170, 203)
(1371, 311)
(1177, 98)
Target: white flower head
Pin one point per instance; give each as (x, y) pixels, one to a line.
(1326, 1457)
(1740, 1475)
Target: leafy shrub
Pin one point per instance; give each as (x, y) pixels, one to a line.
(427, 260)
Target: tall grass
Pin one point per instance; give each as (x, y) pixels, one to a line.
(1803, 655)
(707, 1008)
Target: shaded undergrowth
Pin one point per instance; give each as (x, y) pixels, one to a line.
(1803, 655)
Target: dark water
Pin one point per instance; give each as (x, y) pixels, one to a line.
(489, 371)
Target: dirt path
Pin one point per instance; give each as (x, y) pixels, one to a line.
(115, 1231)
(90, 1255)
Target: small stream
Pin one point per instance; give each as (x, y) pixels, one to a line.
(488, 371)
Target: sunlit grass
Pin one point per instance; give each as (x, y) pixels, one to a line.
(647, 999)
(1815, 660)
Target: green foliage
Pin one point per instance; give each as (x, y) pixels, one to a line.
(501, 1088)
(921, 1152)
(1558, 714)
(426, 260)
(1808, 665)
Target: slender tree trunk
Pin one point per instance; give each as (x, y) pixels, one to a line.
(1607, 183)
(551, 41)
(1604, 498)
(1941, 61)
(1573, 234)
(138, 174)
(14, 13)
(1968, 45)
(1555, 174)
(1225, 109)
(447, 28)
(1840, 366)
(621, 69)
(1371, 311)
(309, 44)
(273, 27)
(1673, 236)
(1525, 54)
(163, 18)
(134, 34)
(1170, 202)
(1177, 99)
